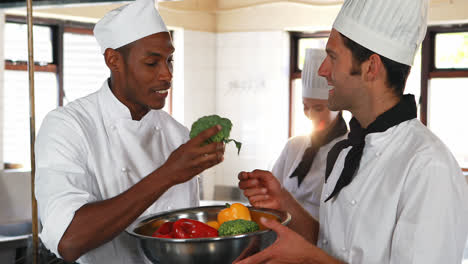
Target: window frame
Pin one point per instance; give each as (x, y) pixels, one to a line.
(428, 68)
(58, 28)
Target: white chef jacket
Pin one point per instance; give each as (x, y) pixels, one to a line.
(91, 150)
(308, 194)
(406, 205)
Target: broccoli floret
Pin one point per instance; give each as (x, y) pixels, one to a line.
(209, 121)
(237, 227)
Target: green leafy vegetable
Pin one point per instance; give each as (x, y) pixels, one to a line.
(212, 120)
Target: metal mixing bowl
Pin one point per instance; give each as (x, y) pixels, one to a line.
(216, 250)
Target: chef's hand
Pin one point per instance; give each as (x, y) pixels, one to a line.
(289, 247)
(190, 159)
(262, 189)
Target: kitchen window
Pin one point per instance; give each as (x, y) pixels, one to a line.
(16, 149)
(299, 124)
(444, 85)
(68, 65)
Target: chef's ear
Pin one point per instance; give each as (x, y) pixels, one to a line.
(373, 68)
(114, 60)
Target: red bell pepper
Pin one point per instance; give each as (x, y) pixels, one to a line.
(188, 228)
(164, 231)
(185, 228)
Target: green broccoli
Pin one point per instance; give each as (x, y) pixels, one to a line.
(237, 227)
(206, 122)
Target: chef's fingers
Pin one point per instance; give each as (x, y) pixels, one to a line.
(274, 225)
(206, 161)
(211, 148)
(246, 184)
(204, 135)
(262, 201)
(261, 175)
(255, 191)
(258, 198)
(268, 203)
(243, 175)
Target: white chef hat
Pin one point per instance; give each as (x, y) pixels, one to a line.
(128, 23)
(391, 28)
(313, 85)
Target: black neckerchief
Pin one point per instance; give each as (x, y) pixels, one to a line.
(337, 130)
(403, 111)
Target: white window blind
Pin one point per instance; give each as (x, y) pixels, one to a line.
(16, 43)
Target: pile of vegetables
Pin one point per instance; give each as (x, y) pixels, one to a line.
(235, 219)
(210, 121)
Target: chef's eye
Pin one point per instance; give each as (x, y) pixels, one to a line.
(152, 63)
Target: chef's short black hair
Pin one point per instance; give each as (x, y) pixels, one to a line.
(125, 50)
(397, 73)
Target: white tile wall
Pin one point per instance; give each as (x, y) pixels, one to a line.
(243, 76)
(199, 75)
(199, 65)
(252, 78)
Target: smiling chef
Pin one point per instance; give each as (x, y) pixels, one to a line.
(107, 158)
(393, 192)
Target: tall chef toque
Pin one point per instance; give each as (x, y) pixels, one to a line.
(391, 28)
(127, 24)
(313, 85)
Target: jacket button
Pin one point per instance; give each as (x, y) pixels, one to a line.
(124, 169)
(353, 202)
(343, 249)
(324, 241)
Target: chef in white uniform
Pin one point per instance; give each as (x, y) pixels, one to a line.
(112, 156)
(301, 166)
(393, 192)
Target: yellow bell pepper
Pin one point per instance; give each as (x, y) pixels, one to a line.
(213, 224)
(233, 212)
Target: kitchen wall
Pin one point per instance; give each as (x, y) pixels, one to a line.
(243, 76)
(199, 87)
(252, 84)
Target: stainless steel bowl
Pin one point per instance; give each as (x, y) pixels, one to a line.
(215, 250)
